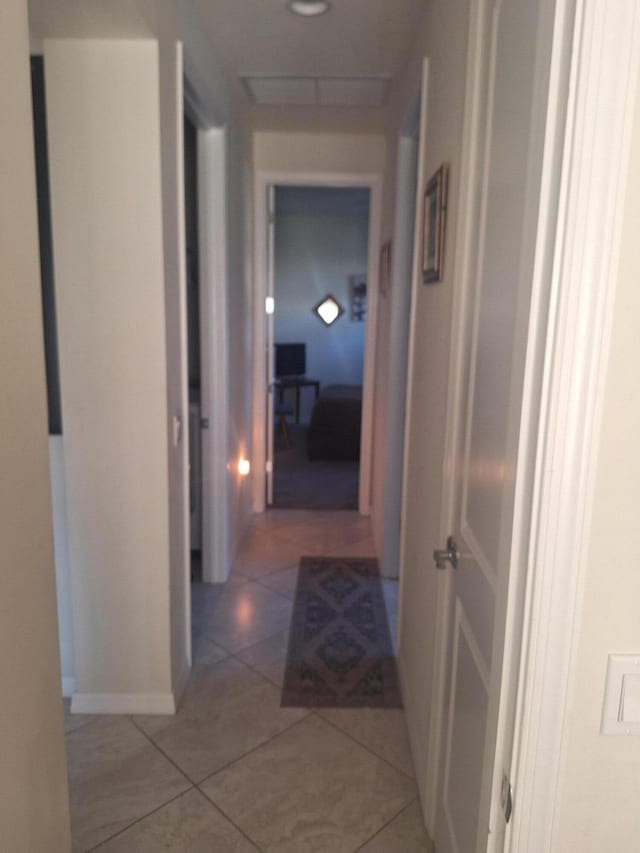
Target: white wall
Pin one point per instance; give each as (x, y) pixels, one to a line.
(34, 809)
(104, 148)
(318, 152)
(597, 805)
(170, 22)
(315, 253)
(184, 51)
(63, 572)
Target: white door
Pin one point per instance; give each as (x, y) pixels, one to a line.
(212, 239)
(270, 354)
(422, 477)
(510, 55)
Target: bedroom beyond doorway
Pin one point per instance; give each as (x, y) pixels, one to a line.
(320, 258)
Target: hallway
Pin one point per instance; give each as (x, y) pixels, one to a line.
(233, 771)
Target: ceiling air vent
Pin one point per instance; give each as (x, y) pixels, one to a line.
(309, 91)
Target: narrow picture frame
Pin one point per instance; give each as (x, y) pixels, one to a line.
(358, 298)
(433, 226)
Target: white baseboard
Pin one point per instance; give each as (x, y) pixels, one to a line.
(68, 686)
(123, 703)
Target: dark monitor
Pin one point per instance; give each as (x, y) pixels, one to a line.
(291, 359)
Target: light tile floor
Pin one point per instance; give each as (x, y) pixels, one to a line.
(233, 772)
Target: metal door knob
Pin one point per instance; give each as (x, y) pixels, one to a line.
(450, 554)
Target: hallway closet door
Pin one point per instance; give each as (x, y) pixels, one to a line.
(513, 41)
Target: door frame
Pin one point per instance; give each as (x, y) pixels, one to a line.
(264, 179)
(597, 146)
(406, 210)
(213, 275)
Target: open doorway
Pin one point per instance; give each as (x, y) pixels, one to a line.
(54, 402)
(320, 259)
(266, 392)
(206, 338)
(193, 345)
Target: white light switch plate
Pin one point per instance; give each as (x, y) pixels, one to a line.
(620, 700)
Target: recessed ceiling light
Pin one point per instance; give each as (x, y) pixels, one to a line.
(309, 8)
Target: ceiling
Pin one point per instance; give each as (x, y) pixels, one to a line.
(343, 63)
(346, 58)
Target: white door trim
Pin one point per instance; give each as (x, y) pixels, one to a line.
(263, 180)
(212, 242)
(270, 348)
(605, 45)
(402, 260)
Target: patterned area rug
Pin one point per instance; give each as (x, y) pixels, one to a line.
(340, 653)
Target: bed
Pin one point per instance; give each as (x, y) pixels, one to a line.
(334, 431)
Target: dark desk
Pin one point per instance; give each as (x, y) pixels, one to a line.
(297, 382)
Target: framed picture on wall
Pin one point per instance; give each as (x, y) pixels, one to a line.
(385, 267)
(433, 226)
(358, 298)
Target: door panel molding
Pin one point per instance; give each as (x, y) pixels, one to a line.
(463, 633)
(490, 572)
(492, 9)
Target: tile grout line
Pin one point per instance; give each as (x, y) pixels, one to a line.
(227, 653)
(329, 550)
(245, 648)
(192, 785)
(161, 751)
(258, 643)
(312, 712)
(78, 727)
(382, 828)
(197, 785)
(257, 671)
(318, 714)
(257, 580)
(133, 823)
(230, 819)
(250, 751)
(285, 569)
